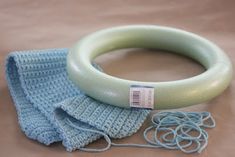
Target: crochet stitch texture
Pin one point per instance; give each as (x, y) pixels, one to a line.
(45, 98)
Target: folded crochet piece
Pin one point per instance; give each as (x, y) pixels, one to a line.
(45, 98)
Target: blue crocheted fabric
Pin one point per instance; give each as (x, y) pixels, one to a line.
(45, 98)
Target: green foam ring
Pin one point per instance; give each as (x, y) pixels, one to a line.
(167, 95)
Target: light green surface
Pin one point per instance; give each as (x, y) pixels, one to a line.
(172, 94)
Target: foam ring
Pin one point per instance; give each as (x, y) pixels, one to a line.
(167, 95)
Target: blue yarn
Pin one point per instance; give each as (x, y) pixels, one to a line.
(179, 125)
(44, 97)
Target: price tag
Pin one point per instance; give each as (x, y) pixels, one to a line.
(141, 96)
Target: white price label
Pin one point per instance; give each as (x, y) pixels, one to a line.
(141, 96)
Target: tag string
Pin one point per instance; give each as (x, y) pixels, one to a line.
(174, 130)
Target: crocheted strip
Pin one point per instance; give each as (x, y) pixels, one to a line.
(38, 83)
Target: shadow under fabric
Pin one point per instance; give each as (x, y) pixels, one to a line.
(44, 98)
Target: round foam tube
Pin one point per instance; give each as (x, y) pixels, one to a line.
(167, 95)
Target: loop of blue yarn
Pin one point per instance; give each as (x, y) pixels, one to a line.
(175, 130)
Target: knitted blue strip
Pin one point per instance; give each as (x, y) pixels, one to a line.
(44, 98)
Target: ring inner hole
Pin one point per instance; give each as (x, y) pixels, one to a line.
(148, 65)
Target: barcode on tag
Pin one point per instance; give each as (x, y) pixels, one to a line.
(141, 96)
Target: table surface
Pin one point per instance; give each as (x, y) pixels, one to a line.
(26, 24)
